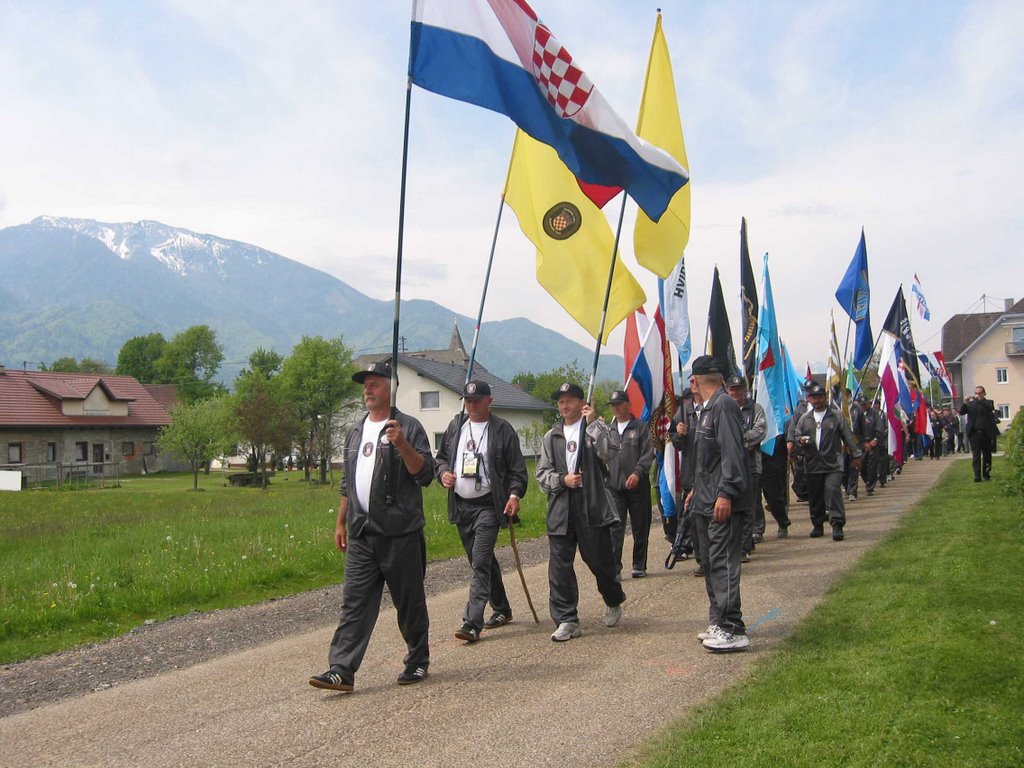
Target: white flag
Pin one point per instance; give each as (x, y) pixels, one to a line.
(675, 310)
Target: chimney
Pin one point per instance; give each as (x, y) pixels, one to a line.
(1008, 304)
(3, 371)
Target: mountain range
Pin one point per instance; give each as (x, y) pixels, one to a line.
(81, 288)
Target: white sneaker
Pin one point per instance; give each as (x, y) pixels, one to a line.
(612, 615)
(567, 630)
(727, 642)
(713, 630)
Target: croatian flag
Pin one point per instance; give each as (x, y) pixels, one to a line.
(922, 305)
(649, 367)
(497, 54)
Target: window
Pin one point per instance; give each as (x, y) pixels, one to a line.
(149, 449)
(1003, 411)
(127, 448)
(81, 451)
(1001, 376)
(51, 451)
(14, 453)
(438, 438)
(430, 401)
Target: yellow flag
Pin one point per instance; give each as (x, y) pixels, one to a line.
(574, 242)
(658, 246)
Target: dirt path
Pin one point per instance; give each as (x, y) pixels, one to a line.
(514, 698)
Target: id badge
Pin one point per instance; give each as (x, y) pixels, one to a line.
(471, 464)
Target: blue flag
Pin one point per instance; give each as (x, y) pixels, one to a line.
(854, 296)
(770, 366)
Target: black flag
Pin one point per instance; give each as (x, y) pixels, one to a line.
(897, 323)
(748, 309)
(720, 344)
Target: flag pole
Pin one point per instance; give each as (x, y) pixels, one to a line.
(398, 257)
(607, 299)
(483, 294)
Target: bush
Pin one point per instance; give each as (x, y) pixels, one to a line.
(1013, 446)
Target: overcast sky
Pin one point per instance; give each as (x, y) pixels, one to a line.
(280, 124)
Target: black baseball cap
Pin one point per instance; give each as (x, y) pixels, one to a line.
(476, 388)
(704, 365)
(568, 388)
(382, 368)
(618, 396)
(736, 381)
(815, 389)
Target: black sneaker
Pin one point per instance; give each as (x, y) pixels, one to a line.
(498, 619)
(817, 531)
(333, 680)
(837, 533)
(468, 632)
(412, 675)
(783, 532)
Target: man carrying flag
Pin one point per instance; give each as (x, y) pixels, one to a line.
(629, 483)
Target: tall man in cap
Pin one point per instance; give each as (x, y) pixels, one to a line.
(721, 501)
(821, 432)
(871, 431)
(571, 471)
(629, 482)
(481, 464)
(755, 427)
(380, 528)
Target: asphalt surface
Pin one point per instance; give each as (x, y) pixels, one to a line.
(514, 698)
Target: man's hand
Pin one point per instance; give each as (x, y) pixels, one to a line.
(723, 510)
(689, 499)
(681, 428)
(394, 433)
(448, 479)
(341, 536)
(632, 481)
(512, 507)
(573, 480)
(589, 413)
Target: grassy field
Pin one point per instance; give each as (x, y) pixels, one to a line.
(81, 566)
(915, 659)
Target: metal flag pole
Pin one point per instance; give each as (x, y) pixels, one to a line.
(607, 299)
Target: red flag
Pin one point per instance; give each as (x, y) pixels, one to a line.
(631, 349)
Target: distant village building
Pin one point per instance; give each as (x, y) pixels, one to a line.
(430, 388)
(987, 348)
(80, 424)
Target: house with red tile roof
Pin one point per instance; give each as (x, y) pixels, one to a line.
(82, 422)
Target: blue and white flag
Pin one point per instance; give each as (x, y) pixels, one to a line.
(498, 55)
(770, 385)
(668, 479)
(919, 300)
(854, 296)
(675, 300)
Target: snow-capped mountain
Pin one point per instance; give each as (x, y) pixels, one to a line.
(80, 287)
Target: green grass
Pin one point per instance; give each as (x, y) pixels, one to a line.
(915, 659)
(83, 566)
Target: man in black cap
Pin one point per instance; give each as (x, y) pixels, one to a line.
(755, 427)
(571, 471)
(380, 528)
(871, 431)
(682, 432)
(851, 474)
(720, 500)
(481, 463)
(821, 433)
(629, 482)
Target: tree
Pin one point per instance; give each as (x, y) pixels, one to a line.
(264, 361)
(190, 360)
(69, 364)
(199, 432)
(138, 357)
(63, 365)
(263, 419)
(92, 365)
(317, 379)
(543, 385)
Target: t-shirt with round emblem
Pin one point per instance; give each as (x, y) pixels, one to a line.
(572, 446)
(369, 444)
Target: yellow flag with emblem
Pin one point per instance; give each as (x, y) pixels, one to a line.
(573, 240)
(658, 245)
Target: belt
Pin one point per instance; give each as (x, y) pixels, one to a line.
(487, 501)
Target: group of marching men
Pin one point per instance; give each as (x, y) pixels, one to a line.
(596, 475)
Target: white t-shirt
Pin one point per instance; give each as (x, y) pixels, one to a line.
(572, 445)
(818, 416)
(475, 433)
(621, 425)
(369, 444)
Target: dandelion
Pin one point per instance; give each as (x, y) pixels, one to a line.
(286, 525)
(168, 538)
(72, 585)
(53, 605)
(244, 557)
(292, 536)
(92, 586)
(54, 585)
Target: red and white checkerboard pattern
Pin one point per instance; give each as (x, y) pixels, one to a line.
(566, 86)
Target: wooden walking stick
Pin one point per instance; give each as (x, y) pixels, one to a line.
(519, 567)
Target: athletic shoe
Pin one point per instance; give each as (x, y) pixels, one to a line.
(333, 680)
(698, 571)
(468, 632)
(498, 619)
(871, 492)
(837, 533)
(612, 615)
(713, 630)
(639, 574)
(726, 642)
(412, 675)
(783, 532)
(817, 531)
(567, 630)
(758, 537)
(745, 558)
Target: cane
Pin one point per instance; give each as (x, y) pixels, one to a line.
(519, 567)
